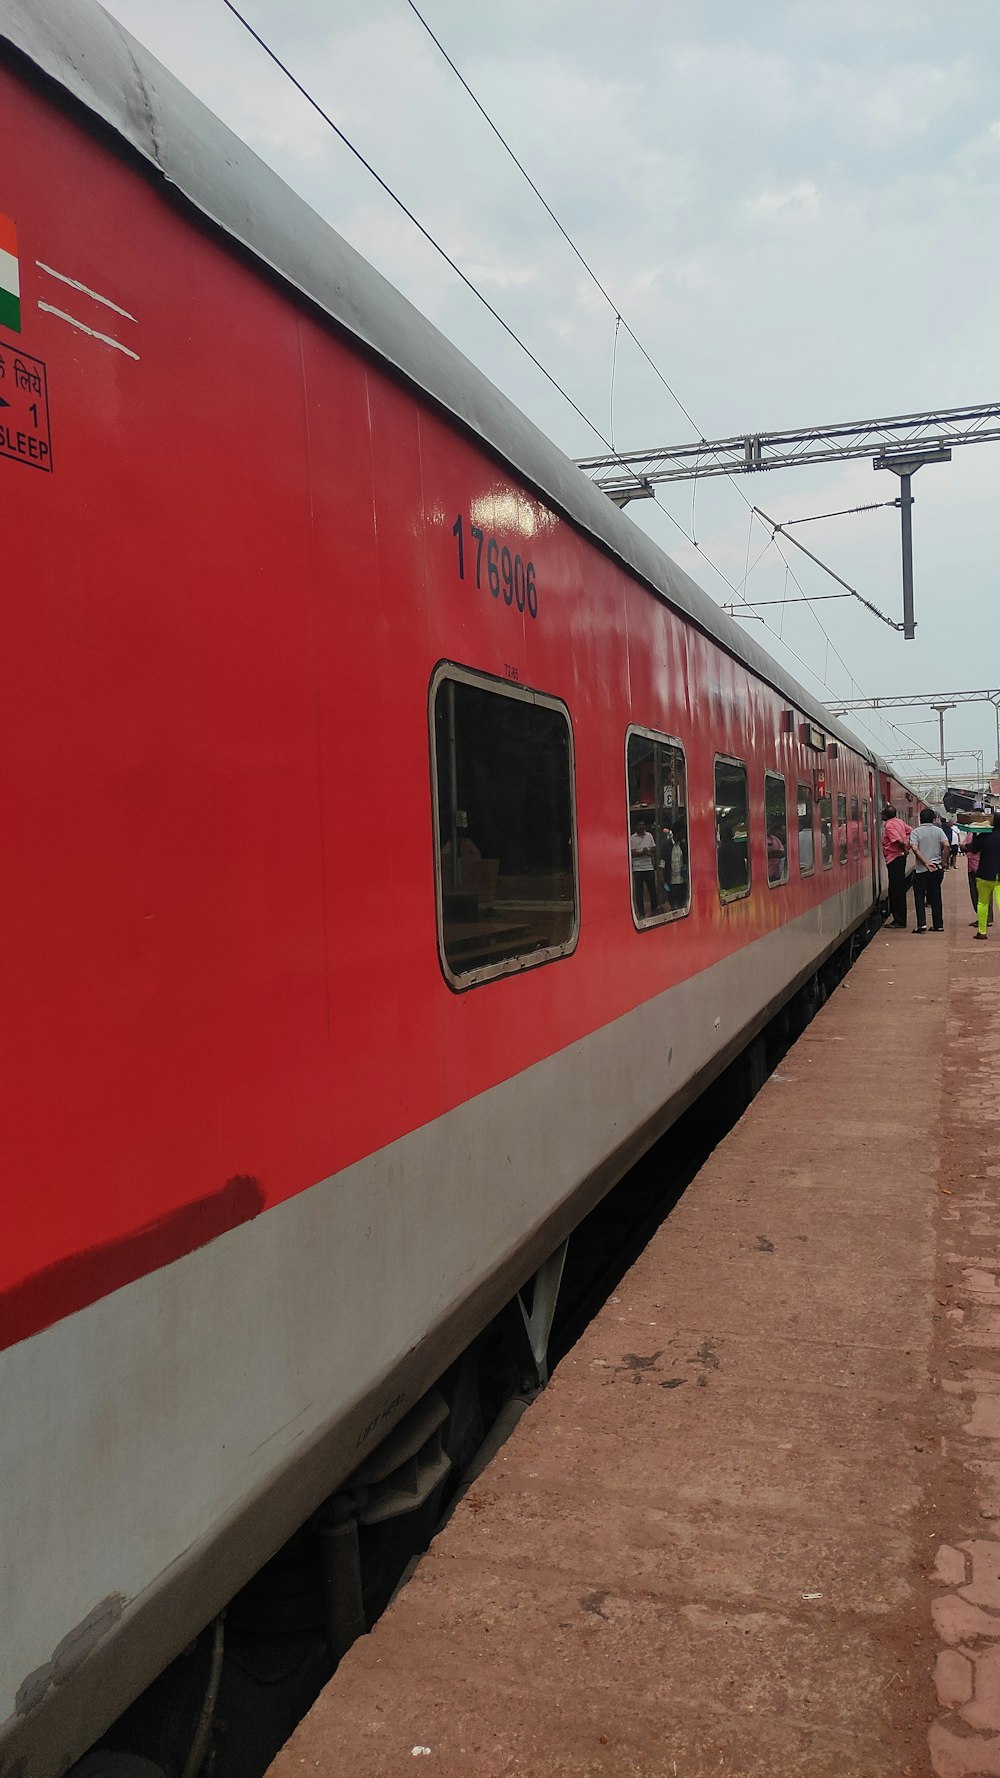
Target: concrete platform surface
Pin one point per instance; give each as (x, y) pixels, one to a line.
(751, 1527)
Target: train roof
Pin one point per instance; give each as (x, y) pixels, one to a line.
(77, 45)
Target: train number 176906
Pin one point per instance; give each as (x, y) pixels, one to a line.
(507, 576)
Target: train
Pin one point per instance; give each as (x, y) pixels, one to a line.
(396, 843)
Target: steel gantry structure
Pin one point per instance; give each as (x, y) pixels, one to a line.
(633, 475)
(939, 701)
(934, 786)
(900, 443)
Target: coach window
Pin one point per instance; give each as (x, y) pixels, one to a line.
(732, 828)
(826, 830)
(657, 827)
(842, 828)
(855, 831)
(776, 824)
(505, 837)
(807, 847)
(866, 832)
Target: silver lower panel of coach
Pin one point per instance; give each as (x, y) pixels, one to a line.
(159, 1445)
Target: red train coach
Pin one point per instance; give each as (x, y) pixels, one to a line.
(898, 796)
(336, 990)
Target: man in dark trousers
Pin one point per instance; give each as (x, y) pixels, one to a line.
(931, 850)
(895, 845)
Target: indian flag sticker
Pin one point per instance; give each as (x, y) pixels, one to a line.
(10, 277)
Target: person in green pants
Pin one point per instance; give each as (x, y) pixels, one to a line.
(988, 875)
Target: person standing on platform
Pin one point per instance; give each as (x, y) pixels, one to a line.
(642, 846)
(971, 850)
(988, 874)
(895, 845)
(931, 850)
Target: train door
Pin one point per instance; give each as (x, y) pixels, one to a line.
(879, 791)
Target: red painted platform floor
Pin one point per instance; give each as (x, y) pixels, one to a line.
(753, 1525)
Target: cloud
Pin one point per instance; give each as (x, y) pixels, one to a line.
(798, 200)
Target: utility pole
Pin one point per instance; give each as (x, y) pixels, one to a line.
(906, 467)
(941, 708)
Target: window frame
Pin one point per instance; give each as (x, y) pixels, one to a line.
(844, 845)
(727, 897)
(483, 681)
(671, 915)
(779, 777)
(810, 870)
(866, 827)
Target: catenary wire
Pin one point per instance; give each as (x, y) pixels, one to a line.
(567, 237)
(892, 725)
(853, 591)
(466, 280)
(426, 234)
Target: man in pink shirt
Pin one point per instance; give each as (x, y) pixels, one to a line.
(895, 846)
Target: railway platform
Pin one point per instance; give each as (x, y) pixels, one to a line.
(752, 1527)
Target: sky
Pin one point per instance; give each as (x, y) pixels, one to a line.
(793, 206)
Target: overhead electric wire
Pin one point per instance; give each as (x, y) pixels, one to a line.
(830, 644)
(511, 332)
(428, 237)
(588, 268)
(621, 322)
(466, 280)
(614, 361)
(820, 678)
(547, 207)
(853, 591)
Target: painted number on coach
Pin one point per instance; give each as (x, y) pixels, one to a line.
(507, 576)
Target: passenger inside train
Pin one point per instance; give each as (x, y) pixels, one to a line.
(657, 792)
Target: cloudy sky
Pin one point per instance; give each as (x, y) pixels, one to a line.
(793, 205)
